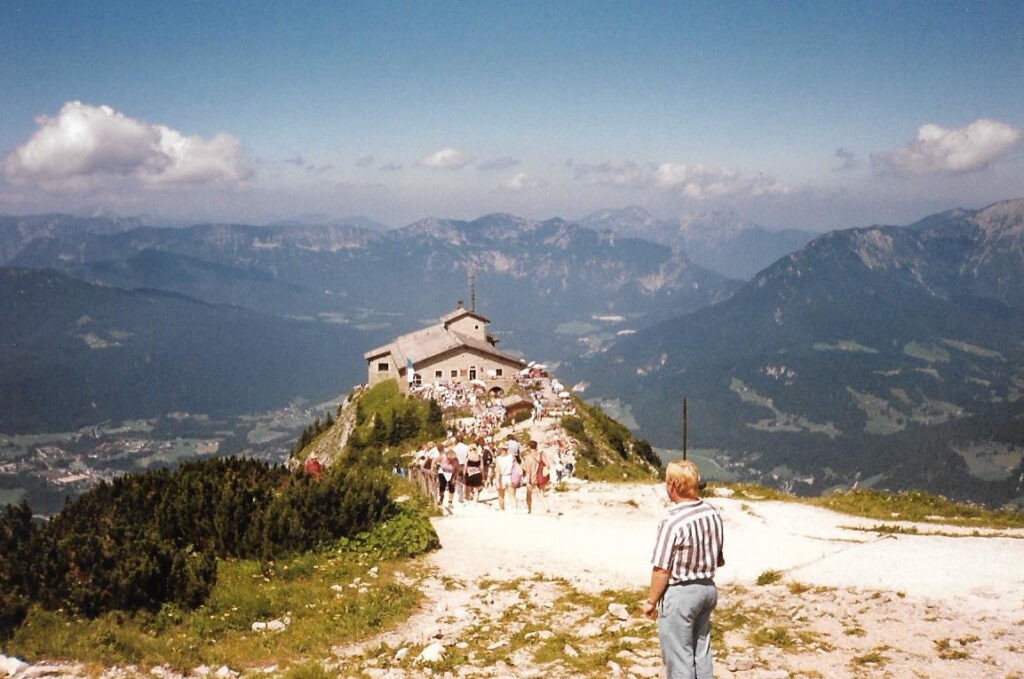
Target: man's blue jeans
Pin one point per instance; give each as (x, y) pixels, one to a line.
(684, 629)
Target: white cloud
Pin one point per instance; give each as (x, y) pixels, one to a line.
(445, 159)
(191, 160)
(940, 150)
(523, 182)
(703, 183)
(692, 181)
(623, 173)
(86, 145)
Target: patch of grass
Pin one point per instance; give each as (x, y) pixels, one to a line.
(769, 577)
(220, 632)
(914, 505)
(730, 619)
(875, 658)
(759, 624)
(751, 491)
(450, 584)
(551, 649)
(308, 670)
(798, 588)
(886, 529)
(948, 652)
(917, 506)
(501, 585)
(777, 636)
(597, 604)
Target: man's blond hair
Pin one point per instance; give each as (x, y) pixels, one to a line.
(683, 476)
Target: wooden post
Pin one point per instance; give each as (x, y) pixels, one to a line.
(686, 426)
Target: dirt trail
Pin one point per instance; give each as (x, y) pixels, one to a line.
(851, 603)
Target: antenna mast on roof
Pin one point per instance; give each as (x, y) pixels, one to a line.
(472, 290)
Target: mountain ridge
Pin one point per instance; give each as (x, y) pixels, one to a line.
(721, 240)
(872, 350)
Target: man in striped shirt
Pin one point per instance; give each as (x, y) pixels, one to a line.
(683, 593)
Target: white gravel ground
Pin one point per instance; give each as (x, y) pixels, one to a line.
(600, 535)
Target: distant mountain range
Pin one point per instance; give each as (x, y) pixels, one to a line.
(720, 241)
(882, 355)
(889, 355)
(553, 289)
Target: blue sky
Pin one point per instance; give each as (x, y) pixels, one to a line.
(807, 115)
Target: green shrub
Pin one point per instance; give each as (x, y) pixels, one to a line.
(405, 534)
(573, 426)
(18, 543)
(145, 541)
(516, 418)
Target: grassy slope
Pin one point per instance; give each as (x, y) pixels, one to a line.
(607, 450)
(247, 591)
(917, 506)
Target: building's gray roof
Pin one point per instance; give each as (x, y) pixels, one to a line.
(459, 313)
(434, 341)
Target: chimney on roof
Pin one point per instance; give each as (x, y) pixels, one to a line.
(460, 305)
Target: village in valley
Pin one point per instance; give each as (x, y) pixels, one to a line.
(46, 468)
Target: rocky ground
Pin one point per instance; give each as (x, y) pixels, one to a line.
(555, 594)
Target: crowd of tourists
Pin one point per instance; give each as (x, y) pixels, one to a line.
(479, 454)
(460, 468)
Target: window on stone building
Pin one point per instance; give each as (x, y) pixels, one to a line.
(382, 367)
(498, 372)
(438, 374)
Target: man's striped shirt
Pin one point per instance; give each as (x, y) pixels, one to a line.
(690, 540)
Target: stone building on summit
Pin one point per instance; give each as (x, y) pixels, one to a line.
(458, 349)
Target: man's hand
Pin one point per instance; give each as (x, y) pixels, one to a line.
(659, 582)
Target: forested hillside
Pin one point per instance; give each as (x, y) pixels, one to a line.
(73, 354)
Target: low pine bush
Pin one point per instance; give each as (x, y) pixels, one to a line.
(153, 539)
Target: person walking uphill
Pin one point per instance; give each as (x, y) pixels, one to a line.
(686, 554)
(538, 466)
